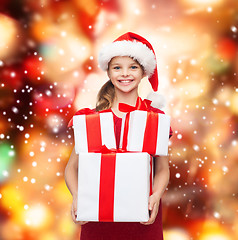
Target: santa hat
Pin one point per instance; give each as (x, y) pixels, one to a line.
(135, 46)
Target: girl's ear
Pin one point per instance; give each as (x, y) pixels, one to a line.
(108, 73)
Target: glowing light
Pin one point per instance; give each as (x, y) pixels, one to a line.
(225, 169)
(25, 179)
(26, 207)
(176, 233)
(212, 230)
(179, 136)
(33, 180)
(233, 29)
(215, 101)
(217, 215)
(37, 216)
(48, 236)
(63, 34)
(196, 147)
(48, 187)
(6, 159)
(21, 128)
(11, 197)
(137, 11)
(8, 30)
(27, 135)
(76, 74)
(209, 9)
(234, 143)
(204, 2)
(177, 175)
(54, 122)
(215, 236)
(31, 154)
(233, 103)
(34, 164)
(193, 62)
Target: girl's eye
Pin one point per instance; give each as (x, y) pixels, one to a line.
(134, 67)
(116, 68)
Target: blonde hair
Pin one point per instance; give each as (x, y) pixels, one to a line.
(105, 96)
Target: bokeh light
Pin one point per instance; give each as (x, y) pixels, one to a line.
(7, 157)
(8, 35)
(49, 70)
(38, 216)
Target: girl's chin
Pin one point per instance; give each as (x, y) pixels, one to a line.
(126, 89)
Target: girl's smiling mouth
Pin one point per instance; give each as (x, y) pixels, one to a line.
(126, 80)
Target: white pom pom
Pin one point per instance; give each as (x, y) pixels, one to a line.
(158, 100)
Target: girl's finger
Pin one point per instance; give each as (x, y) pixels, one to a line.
(73, 214)
(82, 222)
(151, 205)
(152, 215)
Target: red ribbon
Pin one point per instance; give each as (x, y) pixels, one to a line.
(93, 127)
(143, 105)
(104, 149)
(107, 183)
(151, 131)
(151, 125)
(94, 135)
(86, 111)
(106, 188)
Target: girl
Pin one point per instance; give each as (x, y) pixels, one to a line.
(127, 60)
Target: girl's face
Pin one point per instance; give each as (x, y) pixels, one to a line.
(125, 74)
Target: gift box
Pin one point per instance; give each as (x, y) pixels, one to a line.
(92, 131)
(114, 187)
(145, 131)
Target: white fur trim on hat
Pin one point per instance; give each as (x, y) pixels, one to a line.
(134, 49)
(158, 100)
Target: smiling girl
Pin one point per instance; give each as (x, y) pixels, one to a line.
(127, 61)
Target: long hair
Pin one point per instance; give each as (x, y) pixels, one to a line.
(105, 96)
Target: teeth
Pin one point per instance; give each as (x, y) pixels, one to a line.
(125, 81)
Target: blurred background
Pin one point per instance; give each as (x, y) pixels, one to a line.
(49, 70)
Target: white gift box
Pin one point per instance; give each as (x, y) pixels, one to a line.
(145, 132)
(93, 131)
(114, 187)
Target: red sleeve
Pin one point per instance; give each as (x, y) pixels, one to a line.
(162, 112)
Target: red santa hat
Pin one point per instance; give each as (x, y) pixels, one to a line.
(135, 46)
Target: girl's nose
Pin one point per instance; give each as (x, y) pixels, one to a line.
(125, 72)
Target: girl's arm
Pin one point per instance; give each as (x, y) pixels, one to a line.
(160, 182)
(71, 174)
(71, 179)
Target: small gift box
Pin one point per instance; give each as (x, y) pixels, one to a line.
(93, 130)
(114, 187)
(145, 131)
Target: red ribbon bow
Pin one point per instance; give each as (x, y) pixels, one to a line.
(86, 111)
(104, 149)
(140, 105)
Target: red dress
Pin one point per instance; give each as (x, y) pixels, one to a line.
(124, 230)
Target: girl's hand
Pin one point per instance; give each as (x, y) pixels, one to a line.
(153, 209)
(74, 212)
